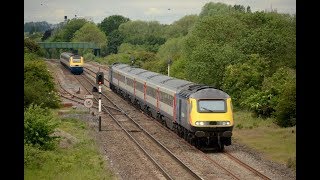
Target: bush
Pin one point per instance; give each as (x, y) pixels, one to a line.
(39, 124)
(286, 108)
(31, 46)
(38, 85)
(260, 104)
(89, 56)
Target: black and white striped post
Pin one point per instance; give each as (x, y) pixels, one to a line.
(99, 106)
(99, 80)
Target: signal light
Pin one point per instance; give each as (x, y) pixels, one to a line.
(99, 78)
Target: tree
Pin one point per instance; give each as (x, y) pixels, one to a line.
(213, 9)
(46, 34)
(115, 39)
(247, 76)
(272, 36)
(31, 46)
(66, 33)
(208, 48)
(112, 23)
(149, 34)
(90, 33)
(32, 27)
(180, 27)
(248, 9)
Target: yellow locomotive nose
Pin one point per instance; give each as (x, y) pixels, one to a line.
(211, 112)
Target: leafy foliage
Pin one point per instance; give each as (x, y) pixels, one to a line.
(213, 9)
(89, 56)
(38, 84)
(286, 107)
(115, 39)
(39, 124)
(277, 97)
(120, 57)
(46, 34)
(148, 34)
(171, 50)
(30, 46)
(89, 32)
(33, 27)
(241, 77)
(68, 31)
(111, 23)
(181, 27)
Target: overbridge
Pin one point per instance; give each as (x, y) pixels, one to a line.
(71, 45)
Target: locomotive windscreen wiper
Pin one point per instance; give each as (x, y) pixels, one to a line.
(209, 110)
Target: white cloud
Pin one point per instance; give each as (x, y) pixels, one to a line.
(152, 11)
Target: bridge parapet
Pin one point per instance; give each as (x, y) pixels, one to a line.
(74, 45)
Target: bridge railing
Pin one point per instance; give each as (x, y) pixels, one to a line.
(75, 45)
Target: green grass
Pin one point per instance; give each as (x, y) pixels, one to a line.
(276, 143)
(80, 161)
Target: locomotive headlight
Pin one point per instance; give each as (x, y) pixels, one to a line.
(225, 122)
(199, 123)
(206, 123)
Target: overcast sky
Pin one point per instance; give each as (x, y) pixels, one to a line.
(163, 11)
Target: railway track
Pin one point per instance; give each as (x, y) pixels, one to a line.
(169, 164)
(232, 158)
(149, 144)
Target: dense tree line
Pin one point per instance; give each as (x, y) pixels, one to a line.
(250, 55)
(32, 27)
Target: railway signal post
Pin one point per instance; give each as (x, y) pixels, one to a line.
(99, 80)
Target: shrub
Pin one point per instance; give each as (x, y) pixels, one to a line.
(39, 124)
(260, 104)
(31, 46)
(38, 85)
(89, 56)
(286, 108)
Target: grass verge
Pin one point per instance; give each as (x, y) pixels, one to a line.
(79, 158)
(275, 143)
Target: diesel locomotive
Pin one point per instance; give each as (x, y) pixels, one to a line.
(73, 62)
(200, 114)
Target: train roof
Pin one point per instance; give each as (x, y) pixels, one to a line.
(182, 87)
(67, 53)
(203, 91)
(153, 77)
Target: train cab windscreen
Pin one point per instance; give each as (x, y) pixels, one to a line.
(212, 105)
(76, 59)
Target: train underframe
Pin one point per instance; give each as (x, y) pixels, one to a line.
(73, 70)
(211, 140)
(76, 70)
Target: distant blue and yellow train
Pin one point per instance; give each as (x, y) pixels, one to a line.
(201, 114)
(73, 62)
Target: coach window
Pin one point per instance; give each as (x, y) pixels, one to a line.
(121, 78)
(129, 82)
(166, 98)
(139, 86)
(151, 92)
